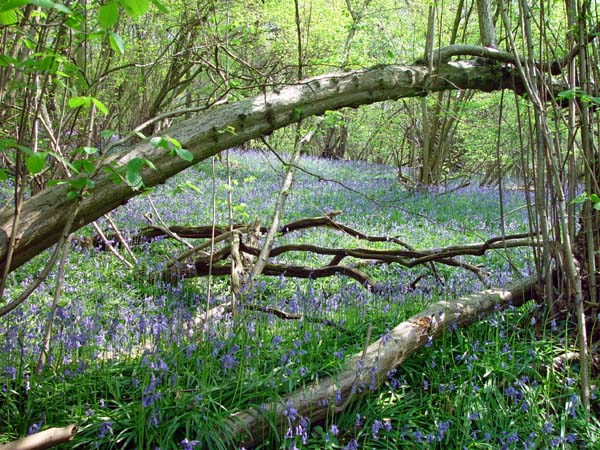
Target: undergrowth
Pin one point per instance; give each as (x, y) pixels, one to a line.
(135, 366)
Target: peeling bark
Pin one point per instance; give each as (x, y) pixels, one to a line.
(43, 217)
(367, 371)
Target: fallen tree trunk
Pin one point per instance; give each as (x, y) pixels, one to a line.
(367, 371)
(42, 440)
(42, 218)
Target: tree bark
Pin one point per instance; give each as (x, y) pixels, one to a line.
(366, 371)
(42, 440)
(43, 216)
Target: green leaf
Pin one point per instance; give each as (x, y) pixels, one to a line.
(174, 142)
(76, 102)
(568, 94)
(116, 42)
(597, 206)
(6, 61)
(162, 8)
(12, 4)
(159, 141)
(50, 4)
(579, 199)
(150, 164)
(83, 165)
(107, 134)
(8, 17)
(72, 195)
(66, 162)
(3, 175)
(101, 107)
(78, 183)
(191, 186)
(108, 15)
(184, 154)
(135, 8)
(35, 162)
(89, 150)
(133, 177)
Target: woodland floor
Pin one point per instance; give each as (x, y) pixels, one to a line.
(132, 368)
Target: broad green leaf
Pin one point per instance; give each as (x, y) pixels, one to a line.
(76, 102)
(568, 94)
(6, 61)
(72, 195)
(79, 183)
(184, 154)
(83, 165)
(135, 8)
(159, 141)
(101, 107)
(13, 4)
(108, 15)
(594, 198)
(597, 206)
(107, 134)
(35, 162)
(8, 17)
(89, 150)
(50, 4)
(173, 141)
(162, 8)
(116, 42)
(3, 174)
(579, 199)
(133, 177)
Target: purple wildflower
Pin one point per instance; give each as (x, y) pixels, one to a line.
(290, 412)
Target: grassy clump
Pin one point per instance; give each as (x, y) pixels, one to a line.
(130, 364)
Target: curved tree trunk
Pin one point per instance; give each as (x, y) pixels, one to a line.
(43, 217)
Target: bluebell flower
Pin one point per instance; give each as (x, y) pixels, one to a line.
(188, 445)
(387, 337)
(547, 428)
(104, 429)
(473, 416)
(417, 436)
(352, 445)
(289, 411)
(337, 396)
(375, 427)
(554, 442)
(429, 341)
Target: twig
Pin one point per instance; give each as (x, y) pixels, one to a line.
(120, 238)
(110, 247)
(165, 227)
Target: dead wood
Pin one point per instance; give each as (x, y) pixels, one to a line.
(367, 370)
(44, 439)
(202, 269)
(178, 269)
